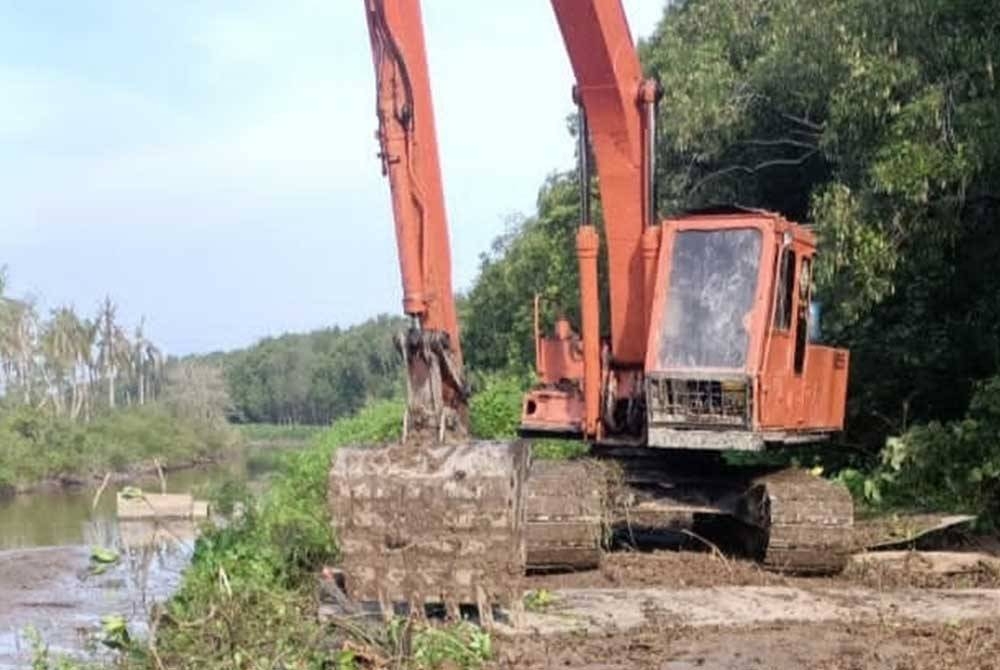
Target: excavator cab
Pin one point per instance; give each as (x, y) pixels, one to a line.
(729, 361)
(729, 364)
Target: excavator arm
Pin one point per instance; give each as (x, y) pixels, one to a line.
(617, 114)
(436, 396)
(619, 107)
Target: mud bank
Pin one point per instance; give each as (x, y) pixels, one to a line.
(51, 590)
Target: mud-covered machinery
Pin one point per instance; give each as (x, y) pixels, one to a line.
(709, 352)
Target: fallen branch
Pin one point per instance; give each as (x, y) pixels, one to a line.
(100, 491)
(159, 472)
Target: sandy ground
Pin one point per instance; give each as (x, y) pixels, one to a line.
(603, 611)
(686, 610)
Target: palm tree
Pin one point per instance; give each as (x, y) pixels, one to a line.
(60, 341)
(67, 345)
(19, 344)
(87, 364)
(114, 350)
(147, 362)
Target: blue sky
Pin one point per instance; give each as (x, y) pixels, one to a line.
(211, 165)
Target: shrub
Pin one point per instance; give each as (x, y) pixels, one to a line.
(251, 579)
(35, 445)
(495, 410)
(943, 467)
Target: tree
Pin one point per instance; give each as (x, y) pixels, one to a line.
(878, 122)
(57, 363)
(60, 347)
(114, 349)
(196, 390)
(315, 377)
(536, 256)
(147, 363)
(18, 346)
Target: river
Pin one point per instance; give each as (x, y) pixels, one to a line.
(46, 539)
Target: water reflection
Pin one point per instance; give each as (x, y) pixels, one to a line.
(65, 517)
(46, 540)
(55, 591)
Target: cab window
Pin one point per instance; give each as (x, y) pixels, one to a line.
(786, 288)
(802, 318)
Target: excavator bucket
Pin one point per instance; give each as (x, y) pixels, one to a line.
(431, 525)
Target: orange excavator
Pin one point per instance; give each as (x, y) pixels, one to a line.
(710, 351)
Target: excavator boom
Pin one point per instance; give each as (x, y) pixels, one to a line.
(613, 94)
(409, 154)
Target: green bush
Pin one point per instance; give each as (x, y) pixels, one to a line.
(953, 466)
(261, 566)
(495, 410)
(558, 450)
(495, 414)
(35, 445)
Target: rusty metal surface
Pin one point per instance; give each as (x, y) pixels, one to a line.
(901, 530)
(423, 524)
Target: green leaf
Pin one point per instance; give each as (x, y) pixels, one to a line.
(115, 634)
(103, 555)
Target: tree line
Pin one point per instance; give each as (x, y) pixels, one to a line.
(84, 395)
(74, 365)
(313, 377)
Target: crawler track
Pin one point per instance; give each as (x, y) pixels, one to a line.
(807, 522)
(565, 509)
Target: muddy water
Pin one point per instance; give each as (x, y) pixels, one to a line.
(45, 544)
